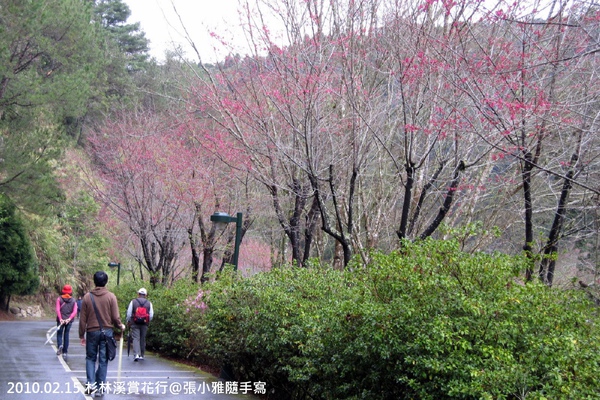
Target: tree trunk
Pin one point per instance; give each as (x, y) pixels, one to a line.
(422, 196)
(410, 180)
(206, 263)
(292, 226)
(548, 263)
(447, 202)
(4, 302)
(311, 224)
(195, 256)
(526, 176)
(338, 235)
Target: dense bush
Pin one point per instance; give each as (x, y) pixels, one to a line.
(428, 323)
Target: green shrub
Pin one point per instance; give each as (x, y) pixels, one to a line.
(430, 322)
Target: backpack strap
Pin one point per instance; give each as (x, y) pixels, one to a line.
(140, 303)
(96, 311)
(62, 304)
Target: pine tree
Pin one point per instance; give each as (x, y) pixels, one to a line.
(18, 270)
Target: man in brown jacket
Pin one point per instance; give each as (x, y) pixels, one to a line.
(90, 335)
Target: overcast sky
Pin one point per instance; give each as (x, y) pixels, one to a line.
(200, 17)
(162, 27)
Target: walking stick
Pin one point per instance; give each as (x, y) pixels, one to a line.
(120, 357)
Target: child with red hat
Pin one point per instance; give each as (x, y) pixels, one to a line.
(66, 310)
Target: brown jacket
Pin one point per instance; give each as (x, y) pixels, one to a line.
(108, 309)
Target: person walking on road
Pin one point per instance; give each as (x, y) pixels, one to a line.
(66, 310)
(78, 306)
(90, 334)
(139, 315)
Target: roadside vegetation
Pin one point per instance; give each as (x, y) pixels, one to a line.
(417, 183)
(429, 322)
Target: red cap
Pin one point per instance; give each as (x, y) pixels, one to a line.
(67, 289)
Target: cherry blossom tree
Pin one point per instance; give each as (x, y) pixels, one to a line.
(132, 156)
(341, 117)
(531, 76)
(382, 121)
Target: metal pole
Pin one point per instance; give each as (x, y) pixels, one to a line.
(118, 265)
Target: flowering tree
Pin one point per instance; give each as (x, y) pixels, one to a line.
(530, 75)
(247, 137)
(132, 157)
(163, 184)
(339, 120)
(225, 184)
(361, 116)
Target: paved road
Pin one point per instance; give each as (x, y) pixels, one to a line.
(30, 369)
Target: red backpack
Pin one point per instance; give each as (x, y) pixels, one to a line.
(141, 316)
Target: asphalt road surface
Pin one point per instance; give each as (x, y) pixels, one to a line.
(30, 369)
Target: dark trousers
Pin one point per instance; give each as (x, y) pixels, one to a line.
(63, 333)
(95, 350)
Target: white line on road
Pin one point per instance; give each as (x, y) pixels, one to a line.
(173, 375)
(76, 381)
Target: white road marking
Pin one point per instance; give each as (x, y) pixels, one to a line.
(81, 389)
(76, 382)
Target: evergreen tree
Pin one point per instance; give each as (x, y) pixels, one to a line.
(50, 57)
(18, 270)
(129, 39)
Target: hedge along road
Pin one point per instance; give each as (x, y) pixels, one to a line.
(30, 369)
